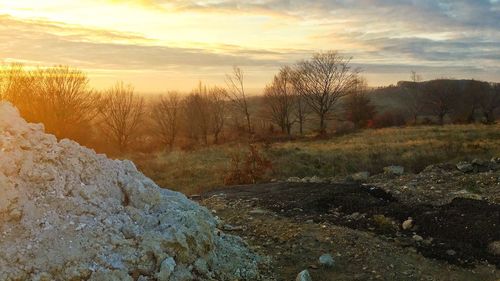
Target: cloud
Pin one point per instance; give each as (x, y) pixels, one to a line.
(75, 32)
(383, 36)
(50, 43)
(443, 31)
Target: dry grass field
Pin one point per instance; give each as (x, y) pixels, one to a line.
(368, 150)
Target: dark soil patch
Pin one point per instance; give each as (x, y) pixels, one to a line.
(458, 232)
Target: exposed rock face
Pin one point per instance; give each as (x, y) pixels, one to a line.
(67, 213)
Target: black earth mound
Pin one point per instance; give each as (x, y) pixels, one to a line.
(458, 232)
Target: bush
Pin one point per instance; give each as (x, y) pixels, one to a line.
(247, 168)
(384, 224)
(388, 119)
(344, 128)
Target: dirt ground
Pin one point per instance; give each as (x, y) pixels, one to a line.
(292, 224)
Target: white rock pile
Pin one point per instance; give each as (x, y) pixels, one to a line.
(67, 213)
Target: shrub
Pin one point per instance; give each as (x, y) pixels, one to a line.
(247, 168)
(389, 119)
(384, 224)
(344, 128)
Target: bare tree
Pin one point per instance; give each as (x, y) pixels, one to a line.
(197, 114)
(217, 111)
(322, 81)
(490, 102)
(166, 112)
(473, 94)
(121, 113)
(18, 86)
(279, 98)
(301, 113)
(237, 96)
(440, 97)
(413, 98)
(358, 106)
(66, 102)
(415, 77)
(59, 97)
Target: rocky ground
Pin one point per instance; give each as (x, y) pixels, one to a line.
(441, 224)
(67, 213)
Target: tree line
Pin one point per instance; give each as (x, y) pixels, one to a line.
(459, 101)
(306, 95)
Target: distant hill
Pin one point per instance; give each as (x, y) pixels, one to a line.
(388, 98)
(392, 97)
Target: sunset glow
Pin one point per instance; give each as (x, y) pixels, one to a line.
(159, 44)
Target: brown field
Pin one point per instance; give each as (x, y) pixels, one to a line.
(368, 150)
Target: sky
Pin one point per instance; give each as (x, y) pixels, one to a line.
(161, 45)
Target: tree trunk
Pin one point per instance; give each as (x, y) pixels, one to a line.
(470, 118)
(441, 119)
(322, 125)
(249, 125)
(216, 137)
(490, 118)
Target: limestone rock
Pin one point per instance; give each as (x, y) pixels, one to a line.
(303, 276)
(361, 176)
(316, 179)
(494, 248)
(67, 213)
(167, 267)
(465, 167)
(294, 179)
(418, 238)
(326, 260)
(407, 224)
(394, 170)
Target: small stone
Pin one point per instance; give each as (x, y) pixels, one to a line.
(354, 216)
(304, 276)
(494, 248)
(465, 167)
(195, 197)
(394, 170)
(128, 231)
(166, 269)
(407, 224)
(258, 212)
(80, 226)
(479, 162)
(16, 215)
(451, 252)
(418, 238)
(305, 179)
(326, 260)
(361, 176)
(316, 179)
(44, 276)
(228, 227)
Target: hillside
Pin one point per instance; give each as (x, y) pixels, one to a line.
(393, 97)
(367, 150)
